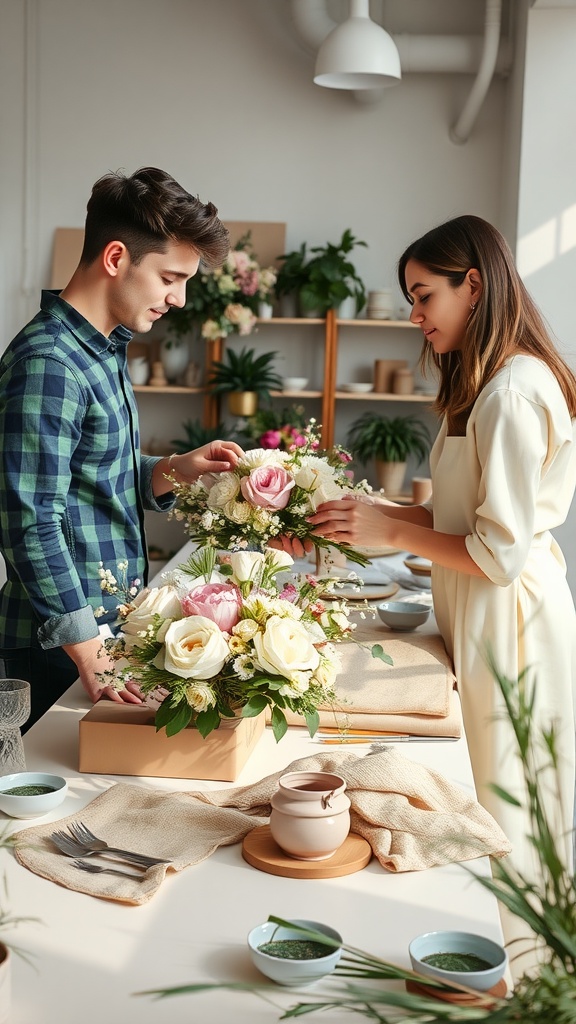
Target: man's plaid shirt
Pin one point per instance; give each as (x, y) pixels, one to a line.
(73, 485)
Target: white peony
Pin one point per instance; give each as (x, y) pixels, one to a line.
(194, 648)
(263, 457)
(285, 646)
(162, 601)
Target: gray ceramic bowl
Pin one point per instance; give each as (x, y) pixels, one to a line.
(291, 972)
(26, 806)
(459, 942)
(403, 615)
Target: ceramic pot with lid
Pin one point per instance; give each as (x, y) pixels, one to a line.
(310, 816)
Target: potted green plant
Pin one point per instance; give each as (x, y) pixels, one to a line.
(389, 441)
(331, 277)
(245, 378)
(290, 278)
(196, 435)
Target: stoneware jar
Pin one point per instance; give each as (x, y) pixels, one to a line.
(310, 816)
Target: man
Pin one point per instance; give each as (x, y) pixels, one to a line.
(73, 484)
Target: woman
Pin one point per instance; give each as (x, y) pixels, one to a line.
(504, 472)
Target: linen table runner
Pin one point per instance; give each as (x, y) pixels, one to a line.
(412, 817)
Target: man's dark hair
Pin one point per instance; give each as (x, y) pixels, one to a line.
(148, 210)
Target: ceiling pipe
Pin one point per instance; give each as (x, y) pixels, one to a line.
(434, 54)
(460, 132)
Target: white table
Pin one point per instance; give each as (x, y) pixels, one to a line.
(92, 955)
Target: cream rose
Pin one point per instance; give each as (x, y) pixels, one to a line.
(194, 648)
(162, 601)
(284, 647)
(246, 564)
(223, 491)
(317, 476)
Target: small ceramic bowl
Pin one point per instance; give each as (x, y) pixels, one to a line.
(418, 566)
(23, 805)
(459, 942)
(403, 615)
(358, 389)
(294, 383)
(286, 971)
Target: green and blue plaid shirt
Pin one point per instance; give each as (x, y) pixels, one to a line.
(73, 485)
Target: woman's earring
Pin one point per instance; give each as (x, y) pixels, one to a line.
(472, 306)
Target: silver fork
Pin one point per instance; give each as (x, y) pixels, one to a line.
(86, 838)
(66, 844)
(97, 869)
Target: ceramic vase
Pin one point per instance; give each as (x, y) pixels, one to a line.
(242, 403)
(265, 310)
(310, 816)
(391, 476)
(174, 356)
(139, 369)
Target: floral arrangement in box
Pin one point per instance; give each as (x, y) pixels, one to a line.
(268, 494)
(223, 635)
(225, 300)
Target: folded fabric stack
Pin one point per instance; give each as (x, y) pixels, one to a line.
(411, 816)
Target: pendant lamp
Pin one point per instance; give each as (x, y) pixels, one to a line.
(357, 54)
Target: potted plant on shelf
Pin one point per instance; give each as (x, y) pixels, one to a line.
(290, 278)
(245, 378)
(331, 277)
(389, 441)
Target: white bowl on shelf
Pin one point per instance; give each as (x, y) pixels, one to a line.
(358, 388)
(294, 383)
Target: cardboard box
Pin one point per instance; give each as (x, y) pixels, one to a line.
(120, 739)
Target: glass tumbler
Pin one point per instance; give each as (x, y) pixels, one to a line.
(14, 711)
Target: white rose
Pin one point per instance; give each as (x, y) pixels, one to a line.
(194, 648)
(223, 491)
(278, 559)
(162, 601)
(200, 696)
(298, 684)
(317, 476)
(246, 565)
(238, 511)
(285, 647)
(246, 629)
(325, 674)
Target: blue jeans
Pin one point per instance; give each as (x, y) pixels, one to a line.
(49, 673)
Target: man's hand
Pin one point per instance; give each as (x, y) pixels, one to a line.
(91, 659)
(214, 457)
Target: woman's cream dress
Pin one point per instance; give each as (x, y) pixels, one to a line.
(504, 486)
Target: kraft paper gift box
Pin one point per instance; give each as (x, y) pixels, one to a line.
(117, 739)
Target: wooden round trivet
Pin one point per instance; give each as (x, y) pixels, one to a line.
(262, 852)
(459, 998)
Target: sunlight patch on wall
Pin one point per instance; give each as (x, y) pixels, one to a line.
(568, 229)
(537, 248)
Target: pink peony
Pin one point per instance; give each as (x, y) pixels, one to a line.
(220, 602)
(267, 487)
(271, 439)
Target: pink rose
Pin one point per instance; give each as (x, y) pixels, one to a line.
(220, 602)
(267, 487)
(271, 439)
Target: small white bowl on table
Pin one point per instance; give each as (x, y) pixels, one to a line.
(403, 615)
(31, 806)
(459, 942)
(289, 972)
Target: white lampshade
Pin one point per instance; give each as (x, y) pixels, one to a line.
(358, 54)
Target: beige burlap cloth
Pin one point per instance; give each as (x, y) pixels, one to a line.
(412, 817)
(414, 695)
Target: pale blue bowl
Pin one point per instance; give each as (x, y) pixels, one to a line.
(403, 615)
(459, 942)
(291, 972)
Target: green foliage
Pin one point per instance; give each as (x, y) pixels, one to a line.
(198, 435)
(244, 371)
(331, 277)
(292, 272)
(388, 439)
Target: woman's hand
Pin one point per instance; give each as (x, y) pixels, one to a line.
(292, 545)
(355, 522)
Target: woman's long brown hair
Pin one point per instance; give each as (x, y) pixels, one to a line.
(504, 319)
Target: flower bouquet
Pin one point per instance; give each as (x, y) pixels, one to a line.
(224, 637)
(269, 493)
(225, 300)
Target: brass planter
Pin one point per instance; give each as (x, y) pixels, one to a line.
(242, 403)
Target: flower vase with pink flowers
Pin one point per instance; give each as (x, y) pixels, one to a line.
(269, 493)
(228, 635)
